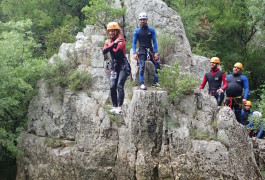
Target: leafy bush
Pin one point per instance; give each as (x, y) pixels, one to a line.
(57, 37)
(166, 45)
(256, 123)
(101, 12)
(8, 148)
(176, 83)
(65, 75)
(79, 80)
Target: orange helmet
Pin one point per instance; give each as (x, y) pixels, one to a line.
(113, 25)
(215, 60)
(239, 65)
(248, 103)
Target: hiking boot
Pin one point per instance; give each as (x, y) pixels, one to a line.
(118, 111)
(155, 84)
(113, 110)
(142, 87)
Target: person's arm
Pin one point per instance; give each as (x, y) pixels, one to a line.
(135, 35)
(224, 82)
(154, 40)
(119, 44)
(246, 87)
(107, 46)
(203, 83)
(249, 125)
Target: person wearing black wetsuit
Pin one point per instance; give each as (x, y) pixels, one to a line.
(116, 46)
(236, 83)
(145, 35)
(215, 79)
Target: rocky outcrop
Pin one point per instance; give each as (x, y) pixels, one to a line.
(72, 135)
(153, 140)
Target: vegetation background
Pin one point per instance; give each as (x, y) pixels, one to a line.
(32, 31)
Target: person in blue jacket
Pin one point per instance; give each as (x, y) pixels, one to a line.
(245, 113)
(145, 35)
(260, 133)
(236, 83)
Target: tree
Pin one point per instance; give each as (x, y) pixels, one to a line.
(19, 71)
(100, 12)
(48, 17)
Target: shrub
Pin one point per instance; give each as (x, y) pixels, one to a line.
(79, 80)
(256, 123)
(65, 75)
(166, 45)
(176, 83)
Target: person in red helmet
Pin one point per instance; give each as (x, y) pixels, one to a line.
(215, 79)
(116, 46)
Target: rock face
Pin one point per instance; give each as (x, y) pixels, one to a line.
(72, 136)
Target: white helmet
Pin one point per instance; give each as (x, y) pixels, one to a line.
(142, 15)
(257, 114)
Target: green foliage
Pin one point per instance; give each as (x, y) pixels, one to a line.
(256, 123)
(49, 17)
(166, 44)
(79, 80)
(19, 72)
(64, 74)
(8, 148)
(101, 12)
(60, 35)
(176, 83)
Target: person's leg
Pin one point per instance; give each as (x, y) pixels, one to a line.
(157, 66)
(120, 87)
(141, 71)
(219, 98)
(113, 87)
(238, 107)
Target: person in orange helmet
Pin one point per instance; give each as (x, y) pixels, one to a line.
(236, 84)
(116, 46)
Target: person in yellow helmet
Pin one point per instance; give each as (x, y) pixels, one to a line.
(216, 80)
(236, 84)
(116, 46)
(245, 113)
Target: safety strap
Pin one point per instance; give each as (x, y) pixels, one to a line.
(237, 97)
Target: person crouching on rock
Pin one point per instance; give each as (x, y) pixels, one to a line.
(245, 113)
(116, 46)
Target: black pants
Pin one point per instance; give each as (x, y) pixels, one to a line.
(219, 97)
(117, 81)
(236, 105)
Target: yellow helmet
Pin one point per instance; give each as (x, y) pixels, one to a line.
(248, 103)
(113, 25)
(215, 60)
(239, 65)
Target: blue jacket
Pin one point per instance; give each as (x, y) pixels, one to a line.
(144, 35)
(261, 128)
(235, 85)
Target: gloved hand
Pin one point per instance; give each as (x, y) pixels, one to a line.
(220, 90)
(156, 56)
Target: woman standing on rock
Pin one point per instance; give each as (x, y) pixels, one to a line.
(116, 46)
